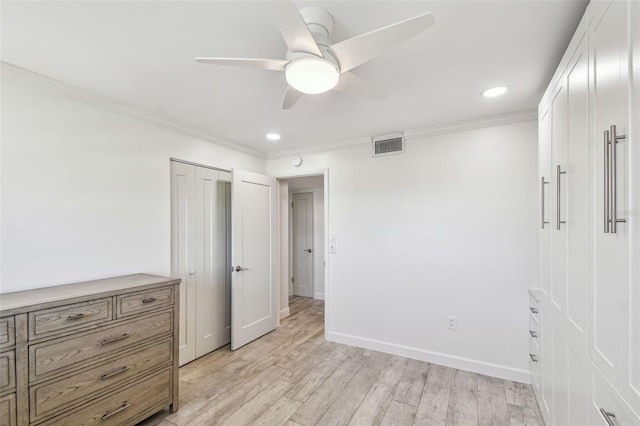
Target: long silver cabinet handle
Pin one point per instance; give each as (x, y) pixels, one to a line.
(605, 190)
(614, 179)
(607, 416)
(124, 406)
(114, 339)
(542, 184)
(559, 172)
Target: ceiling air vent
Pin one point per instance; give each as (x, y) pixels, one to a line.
(387, 145)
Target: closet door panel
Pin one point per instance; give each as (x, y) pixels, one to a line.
(208, 247)
(544, 176)
(224, 257)
(611, 286)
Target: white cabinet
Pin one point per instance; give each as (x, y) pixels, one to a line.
(201, 235)
(589, 297)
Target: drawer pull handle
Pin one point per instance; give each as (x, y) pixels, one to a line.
(533, 310)
(124, 406)
(533, 333)
(533, 358)
(607, 416)
(115, 339)
(149, 300)
(114, 373)
(75, 317)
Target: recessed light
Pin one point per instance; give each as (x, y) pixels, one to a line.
(273, 136)
(494, 91)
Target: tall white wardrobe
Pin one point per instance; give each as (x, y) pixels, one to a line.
(585, 335)
(201, 246)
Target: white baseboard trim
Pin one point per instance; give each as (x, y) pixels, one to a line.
(319, 296)
(285, 313)
(460, 363)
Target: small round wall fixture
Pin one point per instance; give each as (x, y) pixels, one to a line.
(296, 161)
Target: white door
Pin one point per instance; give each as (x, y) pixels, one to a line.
(302, 229)
(254, 280)
(183, 246)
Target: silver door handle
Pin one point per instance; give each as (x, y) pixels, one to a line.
(559, 172)
(308, 250)
(240, 269)
(607, 416)
(542, 184)
(613, 193)
(192, 272)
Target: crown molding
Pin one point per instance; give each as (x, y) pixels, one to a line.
(69, 91)
(459, 126)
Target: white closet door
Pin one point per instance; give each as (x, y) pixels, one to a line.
(254, 282)
(183, 263)
(224, 297)
(210, 246)
(303, 244)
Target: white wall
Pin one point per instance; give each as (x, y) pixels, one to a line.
(449, 228)
(86, 191)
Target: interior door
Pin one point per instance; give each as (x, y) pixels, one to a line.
(254, 280)
(302, 224)
(183, 262)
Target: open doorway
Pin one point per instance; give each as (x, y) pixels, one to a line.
(303, 228)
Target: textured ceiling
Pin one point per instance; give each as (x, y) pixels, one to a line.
(140, 54)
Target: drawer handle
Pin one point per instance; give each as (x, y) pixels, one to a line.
(607, 416)
(75, 317)
(533, 358)
(149, 300)
(115, 339)
(533, 333)
(124, 406)
(115, 373)
(533, 310)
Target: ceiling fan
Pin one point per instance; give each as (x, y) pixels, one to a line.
(314, 64)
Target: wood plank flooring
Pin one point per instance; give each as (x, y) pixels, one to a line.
(294, 377)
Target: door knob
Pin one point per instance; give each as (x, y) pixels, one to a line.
(192, 272)
(240, 269)
(308, 250)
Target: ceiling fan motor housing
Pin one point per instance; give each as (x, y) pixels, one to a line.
(318, 20)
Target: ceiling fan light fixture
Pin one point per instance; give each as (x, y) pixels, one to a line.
(312, 76)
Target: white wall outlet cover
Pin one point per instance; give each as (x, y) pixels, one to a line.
(296, 161)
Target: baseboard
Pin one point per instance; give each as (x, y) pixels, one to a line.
(319, 296)
(285, 313)
(460, 363)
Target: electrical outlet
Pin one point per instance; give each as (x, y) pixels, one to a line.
(453, 322)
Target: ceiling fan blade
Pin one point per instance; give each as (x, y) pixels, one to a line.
(360, 49)
(293, 28)
(291, 96)
(265, 64)
(351, 84)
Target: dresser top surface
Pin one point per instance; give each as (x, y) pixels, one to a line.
(22, 301)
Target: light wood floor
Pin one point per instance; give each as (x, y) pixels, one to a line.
(292, 376)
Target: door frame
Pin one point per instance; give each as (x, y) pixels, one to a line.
(327, 225)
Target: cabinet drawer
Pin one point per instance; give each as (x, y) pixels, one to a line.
(69, 317)
(50, 396)
(129, 304)
(534, 328)
(125, 406)
(48, 357)
(7, 332)
(8, 410)
(605, 397)
(7, 370)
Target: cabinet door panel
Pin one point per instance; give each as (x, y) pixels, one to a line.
(544, 176)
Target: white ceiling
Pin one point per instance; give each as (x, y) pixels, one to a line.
(141, 54)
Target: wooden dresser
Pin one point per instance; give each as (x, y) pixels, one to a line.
(97, 352)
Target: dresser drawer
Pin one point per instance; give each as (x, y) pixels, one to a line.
(7, 332)
(606, 402)
(125, 406)
(7, 370)
(49, 397)
(69, 317)
(8, 410)
(48, 357)
(136, 303)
